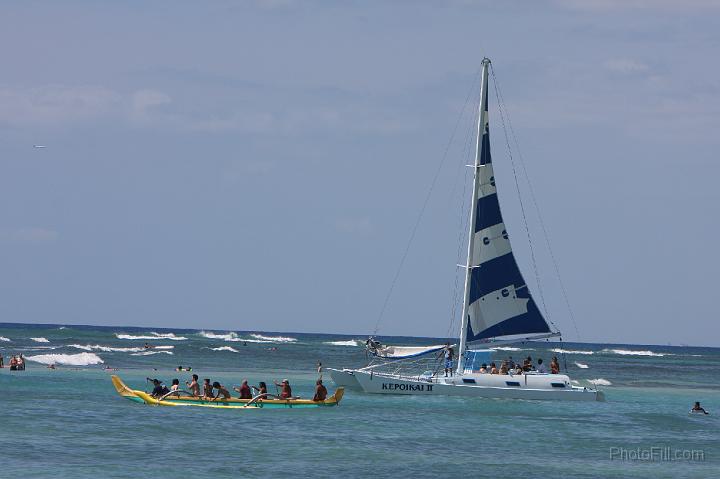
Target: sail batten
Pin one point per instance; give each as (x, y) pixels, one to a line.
(497, 300)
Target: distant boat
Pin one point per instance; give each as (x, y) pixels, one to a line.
(497, 308)
(39, 146)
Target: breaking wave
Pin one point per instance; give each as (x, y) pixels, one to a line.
(571, 351)
(582, 366)
(107, 349)
(3, 338)
(600, 382)
(226, 348)
(80, 359)
(150, 353)
(40, 340)
(510, 348)
(169, 336)
(627, 352)
(274, 339)
(351, 342)
(210, 335)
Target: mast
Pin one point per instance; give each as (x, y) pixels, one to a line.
(482, 121)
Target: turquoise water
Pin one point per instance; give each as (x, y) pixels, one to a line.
(69, 422)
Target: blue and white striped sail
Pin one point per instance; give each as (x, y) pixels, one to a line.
(498, 301)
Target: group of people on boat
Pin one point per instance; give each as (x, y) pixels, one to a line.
(215, 390)
(508, 366)
(17, 363)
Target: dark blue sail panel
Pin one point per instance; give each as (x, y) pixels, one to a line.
(493, 275)
(519, 313)
(528, 323)
(485, 152)
(488, 212)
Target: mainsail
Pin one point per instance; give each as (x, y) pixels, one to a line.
(497, 298)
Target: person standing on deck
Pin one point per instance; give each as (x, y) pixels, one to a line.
(449, 356)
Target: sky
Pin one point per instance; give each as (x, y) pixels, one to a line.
(261, 165)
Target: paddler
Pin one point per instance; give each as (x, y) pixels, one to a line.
(193, 385)
(320, 391)
(244, 390)
(285, 390)
(221, 391)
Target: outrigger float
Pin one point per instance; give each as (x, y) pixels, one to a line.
(185, 398)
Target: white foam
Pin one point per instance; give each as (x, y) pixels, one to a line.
(582, 366)
(226, 348)
(80, 359)
(600, 382)
(40, 340)
(150, 353)
(509, 348)
(571, 351)
(350, 342)
(169, 336)
(3, 338)
(628, 352)
(107, 349)
(164, 347)
(243, 340)
(210, 335)
(274, 339)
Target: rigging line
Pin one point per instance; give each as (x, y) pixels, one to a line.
(517, 186)
(546, 236)
(422, 210)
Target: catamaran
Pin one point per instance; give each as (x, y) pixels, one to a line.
(497, 308)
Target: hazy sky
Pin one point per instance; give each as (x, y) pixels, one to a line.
(260, 165)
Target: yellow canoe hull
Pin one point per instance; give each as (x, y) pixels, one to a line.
(233, 403)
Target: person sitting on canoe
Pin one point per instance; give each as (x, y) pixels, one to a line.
(697, 408)
(193, 385)
(493, 369)
(285, 391)
(320, 391)
(175, 385)
(221, 391)
(261, 389)
(518, 369)
(483, 369)
(244, 390)
(207, 389)
(159, 389)
(503, 368)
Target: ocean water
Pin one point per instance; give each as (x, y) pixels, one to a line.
(70, 423)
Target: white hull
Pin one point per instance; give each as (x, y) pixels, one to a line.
(345, 378)
(530, 386)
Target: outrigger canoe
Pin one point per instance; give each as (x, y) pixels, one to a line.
(184, 398)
